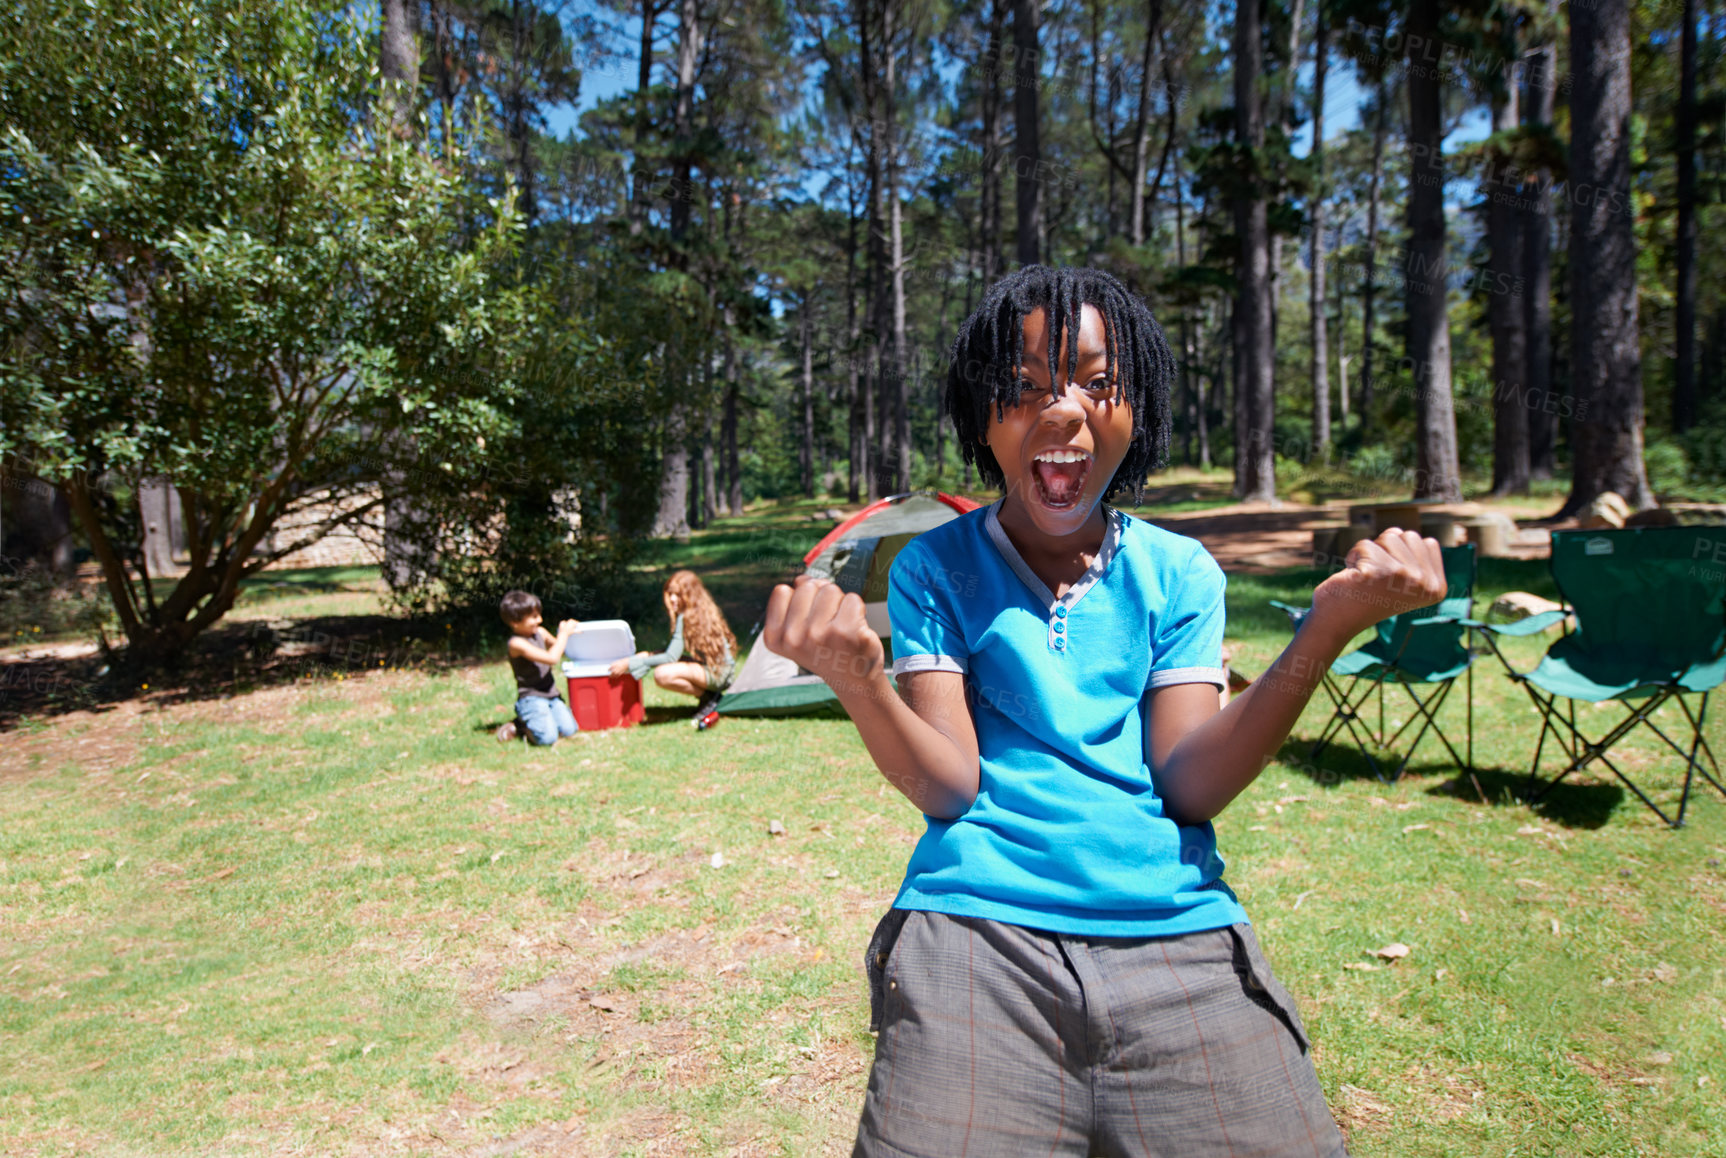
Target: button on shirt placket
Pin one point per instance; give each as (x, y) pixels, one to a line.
(1058, 632)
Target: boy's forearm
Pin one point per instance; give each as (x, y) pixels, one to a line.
(914, 755)
(1215, 762)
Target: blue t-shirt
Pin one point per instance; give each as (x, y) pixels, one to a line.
(1067, 832)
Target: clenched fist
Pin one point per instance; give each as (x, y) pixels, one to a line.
(1399, 571)
(824, 629)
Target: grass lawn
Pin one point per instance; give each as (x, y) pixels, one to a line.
(335, 917)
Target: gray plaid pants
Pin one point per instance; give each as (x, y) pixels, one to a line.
(998, 1040)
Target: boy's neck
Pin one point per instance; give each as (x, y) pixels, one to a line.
(1033, 540)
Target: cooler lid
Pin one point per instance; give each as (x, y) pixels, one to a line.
(600, 641)
(586, 671)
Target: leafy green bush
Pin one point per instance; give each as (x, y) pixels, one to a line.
(36, 605)
(1668, 465)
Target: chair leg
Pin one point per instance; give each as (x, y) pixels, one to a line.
(1430, 710)
(1471, 726)
(1699, 744)
(1344, 710)
(1585, 751)
(1347, 713)
(1545, 707)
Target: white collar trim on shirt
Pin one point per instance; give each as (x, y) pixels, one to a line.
(1113, 520)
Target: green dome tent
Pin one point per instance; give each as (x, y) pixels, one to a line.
(856, 554)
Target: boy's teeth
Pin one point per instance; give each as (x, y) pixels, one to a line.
(1060, 475)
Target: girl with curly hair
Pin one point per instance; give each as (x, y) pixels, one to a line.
(698, 629)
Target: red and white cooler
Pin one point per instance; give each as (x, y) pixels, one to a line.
(598, 699)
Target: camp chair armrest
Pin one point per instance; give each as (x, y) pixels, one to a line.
(1529, 626)
(1429, 620)
(1295, 614)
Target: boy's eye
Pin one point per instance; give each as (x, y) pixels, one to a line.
(1099, 385)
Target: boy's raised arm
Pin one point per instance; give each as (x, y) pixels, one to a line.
(532, 649)
(1203, 758)
(927, 747)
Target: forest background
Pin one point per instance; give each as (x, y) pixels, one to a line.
(544, 280)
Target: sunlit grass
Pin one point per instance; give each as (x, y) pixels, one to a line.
(339, 917)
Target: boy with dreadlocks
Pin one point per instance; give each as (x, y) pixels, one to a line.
(1063, 970)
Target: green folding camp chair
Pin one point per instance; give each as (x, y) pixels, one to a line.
(1424, 646)
(1650, 608)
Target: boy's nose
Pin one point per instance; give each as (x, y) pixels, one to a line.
(1066, 408)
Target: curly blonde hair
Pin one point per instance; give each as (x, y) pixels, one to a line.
(706, 635)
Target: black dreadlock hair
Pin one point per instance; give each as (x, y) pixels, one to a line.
(983, 363)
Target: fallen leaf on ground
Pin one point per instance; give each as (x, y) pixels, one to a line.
(1408, 828)
(1361, 965)
(1394, 951)
(775, 828)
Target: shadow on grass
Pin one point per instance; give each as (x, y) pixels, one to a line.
(233, 658)
(1572, 804)
(1341, 760)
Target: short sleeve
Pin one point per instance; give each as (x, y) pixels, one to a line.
(1188, 648)
(926, 636)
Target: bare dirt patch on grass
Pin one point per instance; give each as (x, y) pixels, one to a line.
(91, 741)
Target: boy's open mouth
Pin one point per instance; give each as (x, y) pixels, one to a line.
(1060, 476)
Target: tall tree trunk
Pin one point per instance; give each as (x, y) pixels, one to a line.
(875, 273)
(159, 513)
(1436, 474)
(709, 471)
(1316, 296)
(1712, 373)
(1142, 122)
(1342, 359)
(1255, 473)
(1279, 105)
(1194, 394)
(900, 457)
(516, 100)
(1369, 278)
(674, 475)
(857, 445)
(989, 197)
(671, 519)
(1155, 192)
(728, 422)
(399, 62)
(643, 81)
(806, 447)
(1507, 313)
(1027, 146)
(1542, 422)
(444, 71)
(1684, 372)
(1605, 360)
